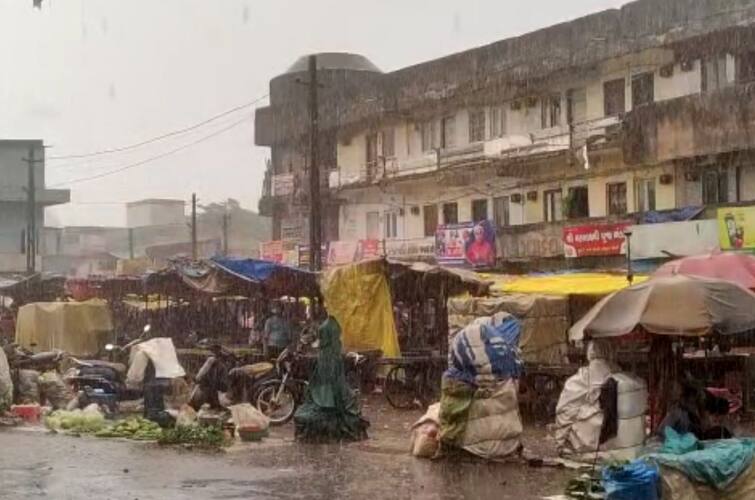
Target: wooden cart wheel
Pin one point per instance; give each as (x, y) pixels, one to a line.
(399, 388)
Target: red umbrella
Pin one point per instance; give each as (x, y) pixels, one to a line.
(736, 267)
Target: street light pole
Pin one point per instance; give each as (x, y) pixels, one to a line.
(628, 236)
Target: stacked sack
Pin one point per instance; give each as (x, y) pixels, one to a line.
(479, 410)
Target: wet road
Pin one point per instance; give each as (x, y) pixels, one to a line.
(39, 465)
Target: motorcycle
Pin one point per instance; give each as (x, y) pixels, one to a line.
(223, 371)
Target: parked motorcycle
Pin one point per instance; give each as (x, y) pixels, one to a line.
(223, 371)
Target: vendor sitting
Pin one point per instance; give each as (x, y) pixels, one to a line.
(693, 414)
(276, 334)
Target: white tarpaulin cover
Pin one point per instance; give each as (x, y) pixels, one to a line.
(161, 352)
(6, 383)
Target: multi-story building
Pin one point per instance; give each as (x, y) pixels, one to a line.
(552, 134)
(14, 207)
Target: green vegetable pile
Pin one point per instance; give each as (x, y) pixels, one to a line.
(76, 421)
(201, 437)
(136, 428)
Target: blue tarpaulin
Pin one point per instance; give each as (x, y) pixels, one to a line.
(489, 347)
(285, 280)
(676, 215)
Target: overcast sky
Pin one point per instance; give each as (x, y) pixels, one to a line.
(88, 75)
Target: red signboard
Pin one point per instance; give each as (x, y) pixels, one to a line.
(595, 239)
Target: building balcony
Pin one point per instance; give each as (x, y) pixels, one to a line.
(697, 125)
(44, 197)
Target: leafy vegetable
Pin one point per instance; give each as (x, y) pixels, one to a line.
(203, 437)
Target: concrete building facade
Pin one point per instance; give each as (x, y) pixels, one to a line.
(605, 118)
(14, 208)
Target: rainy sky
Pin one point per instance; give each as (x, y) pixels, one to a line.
(92, 75)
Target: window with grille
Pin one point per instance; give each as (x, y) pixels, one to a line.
(430, 215)
(645, 194)
(448, 132)
(642, 89)
(479, 210)
(450, 213)
(429, 136)
(497, 121)
(388, 137)
(552, 205)
(502, 211)
(578, 203)
(613, 97)
(476, 125)
(550, 113)
(616, 197)
(715, 187)
(391, 224)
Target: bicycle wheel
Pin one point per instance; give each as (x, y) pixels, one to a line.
(399, 388)
(277, 403)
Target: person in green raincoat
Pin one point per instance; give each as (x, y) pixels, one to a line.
(330, 411)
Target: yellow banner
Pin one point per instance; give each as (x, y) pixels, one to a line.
(736, 227)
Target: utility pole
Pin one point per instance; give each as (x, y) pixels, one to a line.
(226, 217)
(194, 226)
(131, 243)
(315, 231)
(31, 214)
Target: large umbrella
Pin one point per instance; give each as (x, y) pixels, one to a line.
(736, 267)
(675, 305)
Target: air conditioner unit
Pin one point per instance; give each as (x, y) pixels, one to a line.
(516, 105)
(692, 176)
(666, 71)
(666, 179)
(401, 212)
(531, 102)
(687, 65)
(532, 195)
(415, 210)
(516, 198)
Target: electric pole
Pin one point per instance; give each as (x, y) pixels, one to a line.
(31, 214)
(226, 217)
(194, 226)
(315, 231)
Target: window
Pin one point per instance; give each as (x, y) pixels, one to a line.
(391, 225)
(450, 213)
(371, 148)
(746, 67)
(388, 137)
(479, 210)
(577, 106)
(552, 205)
(578, 206)
(613, 97)
(645, 195)
(497, 121)
(476, 125)
(373, 225)
(550, 113)
(713, 73)
(502, 211)
(616, 195)
(448, 132)
(429, 136)
(430, 214)
(715, 187)
(642, 89)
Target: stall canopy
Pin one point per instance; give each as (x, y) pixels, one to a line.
(560, 284)
(359, 297)
(78, 328)
(420, 280)
(676, 305)
(277, 278)
(736, 267)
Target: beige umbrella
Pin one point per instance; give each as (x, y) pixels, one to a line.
(675, 305)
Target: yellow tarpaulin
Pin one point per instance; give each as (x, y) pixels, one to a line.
(358, 296)
(78, 328)
(561, 284)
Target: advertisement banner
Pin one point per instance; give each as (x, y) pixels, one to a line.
(595, 240)
(466, 244)
(276, 251)
(283, 184)
(417, 248)
(347, 252)
(303, 254)
(736, 227)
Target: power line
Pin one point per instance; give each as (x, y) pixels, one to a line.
(159, 137)
(152, 158)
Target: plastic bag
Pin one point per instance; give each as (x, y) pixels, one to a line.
(425, 439)
(53, 390)
(186, 416)
(637, 479)
(28, 387)
(249, 418)
(6, 383)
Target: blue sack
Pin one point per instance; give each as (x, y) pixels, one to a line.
(635, 480)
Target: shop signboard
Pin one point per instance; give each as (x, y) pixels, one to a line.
(347, 252)
(595, 240)
(466, 244)
(736, 228)
(277, 251)
(415, 248)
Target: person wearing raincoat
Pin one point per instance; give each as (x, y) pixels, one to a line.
(330, 411)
